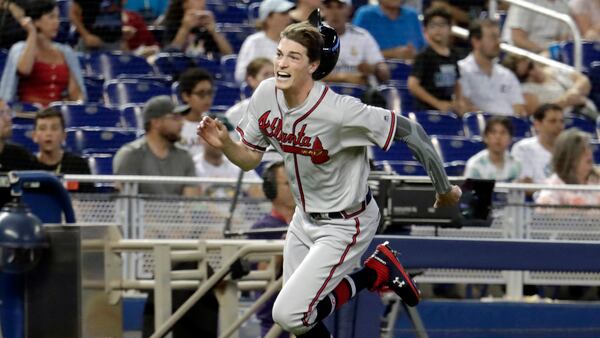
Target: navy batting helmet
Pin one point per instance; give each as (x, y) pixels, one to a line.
(331, 45)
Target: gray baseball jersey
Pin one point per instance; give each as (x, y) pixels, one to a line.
(323, 141)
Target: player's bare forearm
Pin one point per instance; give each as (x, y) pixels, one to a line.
(242, 156)
(420, 145)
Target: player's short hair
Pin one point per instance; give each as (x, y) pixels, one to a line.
(191, 77)
(498, 120)
(568, 149)
(436, 11)
(476, 27)
(256, 65)
(541, 111)
(308, 36)
(49, 113)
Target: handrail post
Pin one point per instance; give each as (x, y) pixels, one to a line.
(162, 289)
(227, 295)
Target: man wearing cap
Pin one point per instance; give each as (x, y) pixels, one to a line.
(155, 154)
(360, 56)
(274, 17)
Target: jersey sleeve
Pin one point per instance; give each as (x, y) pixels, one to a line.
(248, 129)
(364, 125)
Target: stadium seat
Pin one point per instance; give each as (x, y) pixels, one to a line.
(398, 152)
(581, 123)
(245, 90)
(89, 115)
(456, 148)
(175, 93)
(392, 98)
(112, 65)
(100, 164)
(3, 56)
(22, 135)
(236, 34)
(348, 89)
(122, 92)
(399, 70)
(437, 123)
(594, 75)
(475, 124)
(253, 12)
(66, 33)
(590, 49)
(229, 12)
(596, 149)
(173, 64)
(98, 140)
(94, 85)
(25, 112)
(132, 114)
(63, 8)
(228, 67)
(403, 168)
(456, 168)
(226, 94)
(210, 65)
(406, 99)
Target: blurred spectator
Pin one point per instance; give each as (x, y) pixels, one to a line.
(495, 162)
(535, 153)
(38, 70)
(49, 133)
(276, 188)
(155, 154)
(533, 31)
(485, 84)
(12, 156)
(435, 75)
(11, 32)
(303, 9)
(99, 23)
(191, 28)
(395, 27)
(212, 163)
(587, 17)
(274, 17)
(462, 11)
(257, 70)
(196, 90)
(542, 84)
(360, 56)
(148, 9)
(573, 163)
(136, 36)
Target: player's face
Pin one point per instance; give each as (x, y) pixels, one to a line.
(552, 124)
(169, 127)
(585, 164)
(336, 14)
(438, 30)
(5, 121)
(201, 98)
(292, 67)
(497, 139)
(489, 45)
(49, 134)
(284, 191)
(264, 73)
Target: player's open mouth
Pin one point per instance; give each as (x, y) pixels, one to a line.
(283, 75)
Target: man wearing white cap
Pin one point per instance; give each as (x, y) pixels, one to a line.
(274, 17)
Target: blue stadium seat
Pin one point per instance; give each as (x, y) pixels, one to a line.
(226, 94)
(132, 114)
(581, 123)
(596, 149)
(253, 9)
(173, 64)
(437, 123)
(348, 89)
(456, 168)
(3, 56)
(66, 33)
(210, 65)
(231, 12)
(594, 75)
(100, 164)
(228, 67)
(245, 90)
(63, 8)
(175, 93)
(392, 97)
(219, 110)
(236, 34)
(475, 124)
(94, 85)
(28, 110)
(406, 99)
(122, 92)
(89, 115)
(111, 66)
(403, 168)
(399, 70)
(22, 135)
(98, 140)
(456, 148)
(398, 152)
(591, 53)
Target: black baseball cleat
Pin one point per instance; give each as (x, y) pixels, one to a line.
(391, 275)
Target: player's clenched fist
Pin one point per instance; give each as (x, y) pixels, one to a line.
(448, 199)
(213, 132)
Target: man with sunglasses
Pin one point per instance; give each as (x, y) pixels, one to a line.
(12, 156)
(196, 90)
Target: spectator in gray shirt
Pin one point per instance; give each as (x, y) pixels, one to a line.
(155, 154)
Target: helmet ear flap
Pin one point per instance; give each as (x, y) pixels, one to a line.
(331, 45)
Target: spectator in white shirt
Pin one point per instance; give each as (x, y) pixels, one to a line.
(535, 153)
(360, 56)
(533, 31)
(257, 71)
(487, 85)
(274, 17)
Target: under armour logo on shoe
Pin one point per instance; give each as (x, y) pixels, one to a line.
(398, 282)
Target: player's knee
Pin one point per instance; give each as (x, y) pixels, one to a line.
(287, 318)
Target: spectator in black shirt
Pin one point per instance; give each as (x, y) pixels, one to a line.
(192, 29)
(99, 23)
(435, 74)
(12, 156)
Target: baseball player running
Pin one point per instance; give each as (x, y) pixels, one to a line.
(323, 138)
